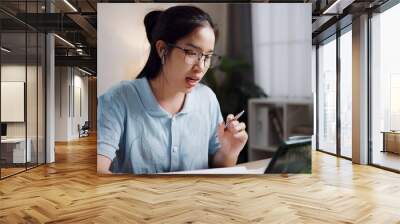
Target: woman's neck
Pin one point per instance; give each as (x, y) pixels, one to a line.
(169, 98)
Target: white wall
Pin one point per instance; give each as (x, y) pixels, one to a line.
(15, 72)
(282, 48)
(61, 103)
(13, 101)
(66, 119)
(122, 45)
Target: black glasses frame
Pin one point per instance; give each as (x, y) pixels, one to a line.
(200, 55)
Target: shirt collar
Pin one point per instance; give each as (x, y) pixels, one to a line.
(151, 104)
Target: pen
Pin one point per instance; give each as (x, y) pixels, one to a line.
(235, 118)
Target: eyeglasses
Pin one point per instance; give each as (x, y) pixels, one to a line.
(193, 57)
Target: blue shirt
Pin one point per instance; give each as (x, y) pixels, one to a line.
(140, 137)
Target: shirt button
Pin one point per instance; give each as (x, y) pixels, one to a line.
(174, 149)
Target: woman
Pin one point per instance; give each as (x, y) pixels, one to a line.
(165, 120)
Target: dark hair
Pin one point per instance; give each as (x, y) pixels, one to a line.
(170, 26)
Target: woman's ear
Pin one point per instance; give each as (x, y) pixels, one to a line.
(161, 48)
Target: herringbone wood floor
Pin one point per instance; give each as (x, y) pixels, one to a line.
(70, 191)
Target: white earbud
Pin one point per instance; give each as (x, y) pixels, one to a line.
(163, 56)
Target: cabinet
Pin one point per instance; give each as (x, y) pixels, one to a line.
(13, 150)
(391, 142)
(272, 120)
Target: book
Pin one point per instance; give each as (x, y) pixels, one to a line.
(277, 123)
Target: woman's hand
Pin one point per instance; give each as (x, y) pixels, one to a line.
(234, 137)
(232, 140)
(103, 164)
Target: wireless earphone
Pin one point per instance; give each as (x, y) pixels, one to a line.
(163, 56)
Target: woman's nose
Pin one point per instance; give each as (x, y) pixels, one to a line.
(201, 63)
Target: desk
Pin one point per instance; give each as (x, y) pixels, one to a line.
(13, 150)
(255, 167)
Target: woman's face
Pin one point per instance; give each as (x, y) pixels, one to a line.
(182, 75)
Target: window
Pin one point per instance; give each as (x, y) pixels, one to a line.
(330, 133)
(346, 93)
(394, 101)
(385, 88)
(285, 42)
(327, 96)
(22, 65)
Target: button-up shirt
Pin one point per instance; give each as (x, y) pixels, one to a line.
(140, 137)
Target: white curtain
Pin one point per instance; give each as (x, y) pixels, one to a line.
(282, 48)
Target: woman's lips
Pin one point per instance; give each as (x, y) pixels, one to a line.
(192, 81)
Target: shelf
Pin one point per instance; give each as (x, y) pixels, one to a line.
(271, 148)
(283, 100)
(273, 119)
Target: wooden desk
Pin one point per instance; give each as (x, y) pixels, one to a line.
(391, 141)
(255, 167)
(258, 166)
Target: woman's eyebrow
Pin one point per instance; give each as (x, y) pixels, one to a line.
(199, 48)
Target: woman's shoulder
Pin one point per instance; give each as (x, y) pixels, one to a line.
(120, 90)
(123, 98)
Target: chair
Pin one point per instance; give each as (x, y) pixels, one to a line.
(84, 130)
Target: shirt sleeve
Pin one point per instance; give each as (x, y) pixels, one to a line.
(216, 119)
(110, 119)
